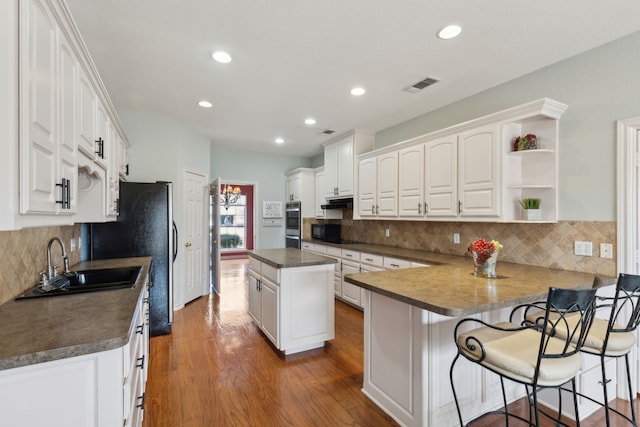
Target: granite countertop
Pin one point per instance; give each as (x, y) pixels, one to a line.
(44, 329)
(286, 258)
(449, 288)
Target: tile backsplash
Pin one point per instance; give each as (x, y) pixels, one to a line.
(544, 245)
(23, 253)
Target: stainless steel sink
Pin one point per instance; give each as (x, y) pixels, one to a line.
(83, 281)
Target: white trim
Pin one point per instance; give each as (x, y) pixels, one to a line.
(628, 215)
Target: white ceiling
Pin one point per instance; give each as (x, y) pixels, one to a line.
(293, 59)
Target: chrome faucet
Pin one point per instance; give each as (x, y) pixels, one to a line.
(51, 269)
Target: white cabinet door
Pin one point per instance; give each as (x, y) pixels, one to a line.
(387, 185)
(345, 167)
(102, 137)
(38, 105)
(331, 170)
(320, 190)
(87, 117)
(350, 292)
(68, 122)
(269, 307)
(254, 297)
(367, 187)
(441, 172)
(411, 181)
(478, 172)
(123, 155)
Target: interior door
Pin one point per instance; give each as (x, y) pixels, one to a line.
(194, 271)
(214, 235)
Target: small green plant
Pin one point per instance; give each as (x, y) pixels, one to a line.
(532, 203)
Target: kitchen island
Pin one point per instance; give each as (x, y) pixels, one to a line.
(410, 315)
(291, 297)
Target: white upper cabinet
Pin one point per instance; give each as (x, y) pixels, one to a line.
(340, 159)
(48, 104)
(300, 187)
(468, 172)
(53, 107)
(441, 178)
(411, 166)
(378, 186)
(478, 181)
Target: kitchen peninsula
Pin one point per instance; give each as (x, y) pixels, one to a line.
(291, 297)
(410, 315)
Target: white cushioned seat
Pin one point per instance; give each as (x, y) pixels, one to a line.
(515, 354)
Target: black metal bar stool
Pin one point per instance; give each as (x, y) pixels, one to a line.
(532, 354)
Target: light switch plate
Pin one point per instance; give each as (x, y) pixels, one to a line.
(606, 250)
(583, 248)
(456, 238)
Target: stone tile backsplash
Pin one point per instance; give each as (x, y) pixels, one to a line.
(23, 253)
(544, 245)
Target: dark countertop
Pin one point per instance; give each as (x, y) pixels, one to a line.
(45, 329)
(449, 288)
(286, 258)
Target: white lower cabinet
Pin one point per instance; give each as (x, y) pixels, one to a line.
(102, 389)
(292, 306)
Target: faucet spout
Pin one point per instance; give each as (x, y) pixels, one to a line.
(65, 258)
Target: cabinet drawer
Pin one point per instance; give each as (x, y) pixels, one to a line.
(271, 273)
(350, 255)
(254, 264)
(321, 249)
(371, 259)
(396, 263)
(337, 252)
(306, 246)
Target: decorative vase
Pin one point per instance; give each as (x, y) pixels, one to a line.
(485, 267)
(533, 214)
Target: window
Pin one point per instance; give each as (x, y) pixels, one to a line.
(233, 231)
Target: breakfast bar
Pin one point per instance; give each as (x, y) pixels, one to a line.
(410, 315)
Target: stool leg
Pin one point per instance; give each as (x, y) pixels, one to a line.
(455, 396)
(575, 402)
(631, 395)
(504, 400)
(604, 390)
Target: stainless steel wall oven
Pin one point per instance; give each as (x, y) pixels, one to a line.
(293, 225)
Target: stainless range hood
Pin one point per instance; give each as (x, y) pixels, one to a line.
(339, 204)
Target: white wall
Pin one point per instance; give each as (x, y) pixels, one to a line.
(267, 171)
(600, 86)
(162, 150)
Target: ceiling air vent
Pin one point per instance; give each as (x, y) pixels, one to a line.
(327, 132)
(417, 87)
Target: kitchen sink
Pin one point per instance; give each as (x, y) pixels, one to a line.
(83, 281)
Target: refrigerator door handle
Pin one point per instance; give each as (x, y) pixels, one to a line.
(175, 241)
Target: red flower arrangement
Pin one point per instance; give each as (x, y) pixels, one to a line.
(484, 249)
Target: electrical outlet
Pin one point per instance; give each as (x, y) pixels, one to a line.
(583, 248)
(606, 250)
(72, 244)
(456, 238)
(387, 232)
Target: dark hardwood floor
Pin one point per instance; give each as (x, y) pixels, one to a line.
(217, 369)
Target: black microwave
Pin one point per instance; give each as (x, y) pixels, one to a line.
(326, 232)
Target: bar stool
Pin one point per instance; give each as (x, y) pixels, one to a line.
(615, 337)
(531, 354)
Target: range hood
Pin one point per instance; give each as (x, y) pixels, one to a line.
(339, 204)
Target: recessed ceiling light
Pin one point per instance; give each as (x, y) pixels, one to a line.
(205, 104)
(310, 121)
(449, 32)
(357, 91)
(279, 141)
(222, 57)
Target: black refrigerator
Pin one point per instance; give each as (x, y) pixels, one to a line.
(144, 227)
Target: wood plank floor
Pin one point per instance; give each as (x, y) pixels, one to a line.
(217, 369)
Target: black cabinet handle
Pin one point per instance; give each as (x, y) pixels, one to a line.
(140, 329)
(65, 193)
(140, 363)
(141, 405)
(100, 151)
(126, 171)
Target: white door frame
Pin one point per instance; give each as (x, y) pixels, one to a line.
(628, 216)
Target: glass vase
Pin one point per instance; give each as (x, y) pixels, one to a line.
(485, 267)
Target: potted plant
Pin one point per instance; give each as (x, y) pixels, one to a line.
(532, 211)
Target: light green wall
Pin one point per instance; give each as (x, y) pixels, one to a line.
(600, 86)
(266, 172)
